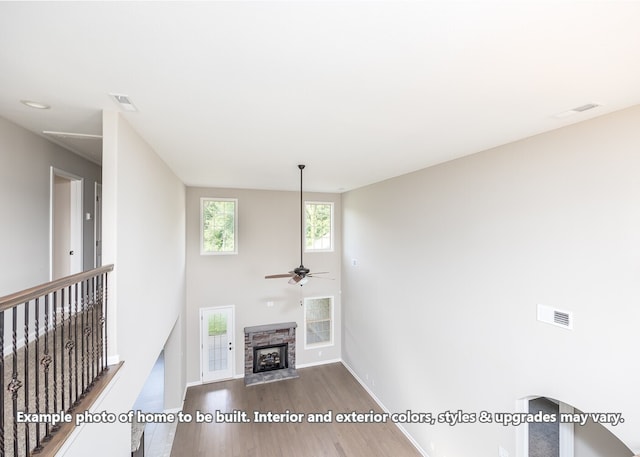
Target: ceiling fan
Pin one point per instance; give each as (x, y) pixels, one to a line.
(301, 274)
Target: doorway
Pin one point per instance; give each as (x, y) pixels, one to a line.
(545, 439)
(66, 251)
(217, 352)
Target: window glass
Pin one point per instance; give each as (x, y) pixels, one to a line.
(318, 321)
(218, 226)
(319, 226)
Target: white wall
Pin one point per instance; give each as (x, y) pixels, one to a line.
(593, 440)
(25, 163)
(144, 237)
(268, 243)
(453, 260)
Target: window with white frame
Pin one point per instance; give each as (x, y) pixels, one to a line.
(218, 226)
(318, 321)
(318, 226)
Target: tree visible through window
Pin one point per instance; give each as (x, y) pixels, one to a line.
(218, 226)
(318, 226)
(318, 321)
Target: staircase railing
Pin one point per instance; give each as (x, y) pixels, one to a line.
(54, 343)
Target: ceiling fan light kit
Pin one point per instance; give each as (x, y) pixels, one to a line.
(300, 275)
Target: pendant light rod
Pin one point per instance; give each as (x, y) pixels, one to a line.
(301, 167)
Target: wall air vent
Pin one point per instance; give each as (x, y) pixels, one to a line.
(556, 317)
(561, 318)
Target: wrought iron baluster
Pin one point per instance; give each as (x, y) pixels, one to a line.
(15, 383)
(61, 312)
(26, 373)
(2, 405)
(46, 360)
(55, 359)
(75, 340)
(36, 369)
(84, 335)
(105, 316)
(101, 355)
(94, 333)
(62, 349)
(69, 345)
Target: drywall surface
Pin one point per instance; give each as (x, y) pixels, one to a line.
(268, 243)
(144, 233)
(25, 183)
(440, 311)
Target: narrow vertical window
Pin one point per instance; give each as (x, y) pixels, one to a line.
(218, 226)
(318, 321)
(319, 226)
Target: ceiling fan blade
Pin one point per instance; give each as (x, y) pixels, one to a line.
(320, 277)
(283, 275)
(318, 273)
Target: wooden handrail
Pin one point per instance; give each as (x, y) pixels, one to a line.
(9, 301)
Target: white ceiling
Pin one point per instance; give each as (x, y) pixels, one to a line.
(236, 94)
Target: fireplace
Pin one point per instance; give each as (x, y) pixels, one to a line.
(269, 353)
(268, 358)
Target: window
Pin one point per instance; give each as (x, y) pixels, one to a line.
(218, 226)
(318, 226)
(318, 321)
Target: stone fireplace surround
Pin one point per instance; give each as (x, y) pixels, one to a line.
(266, 335)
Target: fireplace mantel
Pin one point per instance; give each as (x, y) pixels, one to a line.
(270, 327)
(267, 335)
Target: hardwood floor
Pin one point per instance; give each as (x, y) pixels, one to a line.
(317, 390)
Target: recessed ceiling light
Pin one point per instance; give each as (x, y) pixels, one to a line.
(32, 104)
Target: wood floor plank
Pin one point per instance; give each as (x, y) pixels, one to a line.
(318, 390)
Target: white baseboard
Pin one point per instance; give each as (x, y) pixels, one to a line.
(186, 387)
(315, 364)
(384, 408)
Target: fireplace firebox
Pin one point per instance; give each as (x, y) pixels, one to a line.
(269, 358)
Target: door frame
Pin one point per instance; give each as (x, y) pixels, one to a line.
(230, 332)
(97, 225)
(76, 231)
(566, 430)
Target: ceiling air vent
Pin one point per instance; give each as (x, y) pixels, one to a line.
(586, 107)
(556, 317)
(576, 110)
(124, 101)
